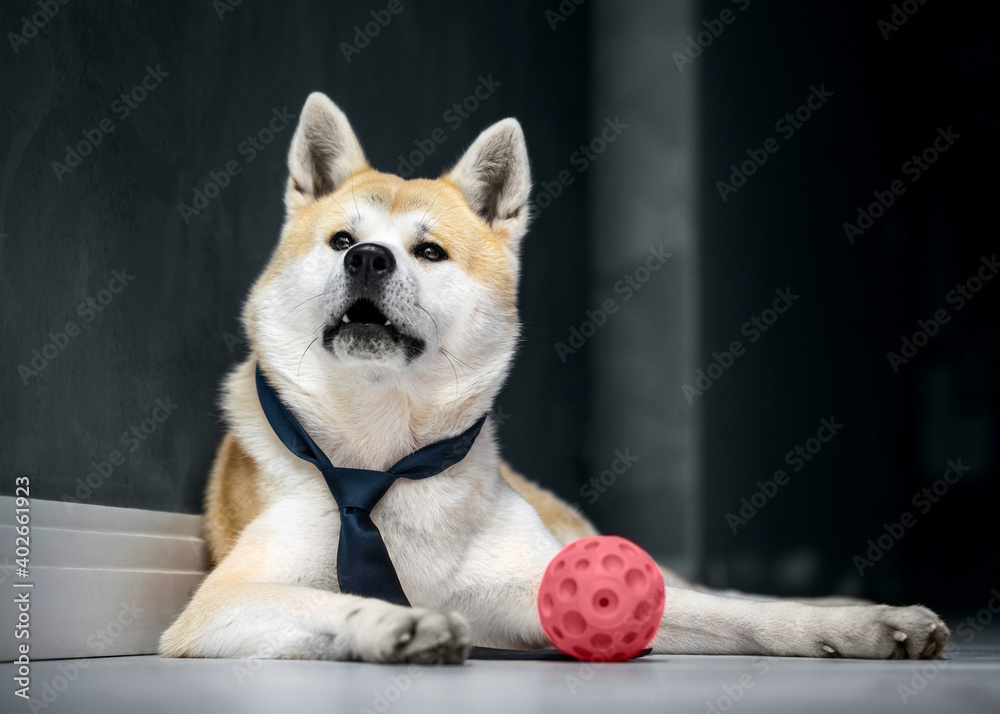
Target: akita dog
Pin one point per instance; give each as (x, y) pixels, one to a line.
(386, 320)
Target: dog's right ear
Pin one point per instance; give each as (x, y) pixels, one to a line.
(324, 153)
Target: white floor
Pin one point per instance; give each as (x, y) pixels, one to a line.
(967, 682)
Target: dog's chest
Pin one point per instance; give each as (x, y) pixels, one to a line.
(425, 532)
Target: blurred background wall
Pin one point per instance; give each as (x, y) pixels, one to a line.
(655, 247)
(643, 252)
(898, 103)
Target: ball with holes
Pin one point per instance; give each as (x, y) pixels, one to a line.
(601, 599)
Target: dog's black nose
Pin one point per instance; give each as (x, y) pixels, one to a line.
(369, 262)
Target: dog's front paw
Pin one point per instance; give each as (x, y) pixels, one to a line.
(885, 632)
(413, 635)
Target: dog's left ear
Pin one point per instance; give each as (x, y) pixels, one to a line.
(495, 178)
(324, 153)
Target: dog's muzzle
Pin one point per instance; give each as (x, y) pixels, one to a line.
(367, 327)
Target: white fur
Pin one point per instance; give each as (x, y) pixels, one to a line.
(468, 550)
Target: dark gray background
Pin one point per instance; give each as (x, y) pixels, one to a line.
(827, 355)
(173, 332)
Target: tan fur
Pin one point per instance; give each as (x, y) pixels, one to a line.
(232, 499)
(467, 239)
(561, 520)
(564, 522)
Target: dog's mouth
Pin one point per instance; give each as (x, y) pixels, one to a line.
(365, 312)
(367, 331)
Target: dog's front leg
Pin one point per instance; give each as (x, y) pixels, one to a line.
(496, 588)
(272, 597)
(701, 623)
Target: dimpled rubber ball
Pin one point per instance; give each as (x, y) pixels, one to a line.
(601, 599)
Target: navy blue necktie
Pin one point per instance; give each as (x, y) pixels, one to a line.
(363, 564)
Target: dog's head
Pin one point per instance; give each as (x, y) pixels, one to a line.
(390, 280)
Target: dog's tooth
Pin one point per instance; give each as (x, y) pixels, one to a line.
(387, 323)
(346, 319)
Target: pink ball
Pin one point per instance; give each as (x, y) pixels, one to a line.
(601, 598)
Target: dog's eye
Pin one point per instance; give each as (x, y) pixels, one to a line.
(342, 240)
(430, 251)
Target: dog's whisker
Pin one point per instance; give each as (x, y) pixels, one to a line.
(303, 303)
(303, 356)
(453, 370)
(339, 204)
(437, 331)
(299, 369)
(357, 210)
(438, 215)
(446, 353)
(464, 364)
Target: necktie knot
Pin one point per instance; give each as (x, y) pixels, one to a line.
(357, 488)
